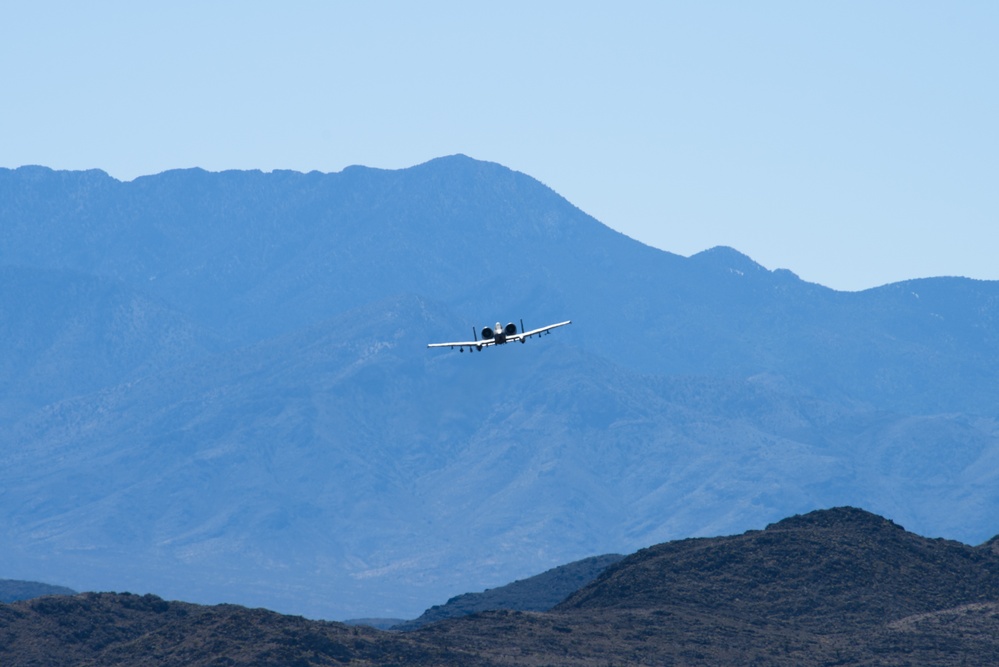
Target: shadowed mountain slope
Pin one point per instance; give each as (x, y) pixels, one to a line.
(834, 567)
(781, 596)
(838, 586)
(122, 629)
(538, 593)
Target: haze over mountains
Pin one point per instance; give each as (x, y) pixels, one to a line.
(217, 388)
(13, 590)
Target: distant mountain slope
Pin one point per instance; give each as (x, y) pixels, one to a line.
(12, 590)
(250, 255)
(65, 333)
(538, 593)
(218, 388)
(838, 586)
(345, 468)
(264, 253)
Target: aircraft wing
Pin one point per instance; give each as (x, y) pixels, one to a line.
(464, 343)
(479, 344)
(538, 332)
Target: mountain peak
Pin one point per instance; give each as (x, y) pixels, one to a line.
(991, 545)
(464, 169)
(841, 518)
(842, 563)
(727, 258)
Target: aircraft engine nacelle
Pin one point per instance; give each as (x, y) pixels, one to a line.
(487, 333)
(510, 329)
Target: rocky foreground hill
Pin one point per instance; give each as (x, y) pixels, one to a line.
(839, 586)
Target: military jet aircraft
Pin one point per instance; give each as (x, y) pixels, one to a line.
(498, 336)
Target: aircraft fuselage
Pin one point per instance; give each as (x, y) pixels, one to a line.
(499, 334)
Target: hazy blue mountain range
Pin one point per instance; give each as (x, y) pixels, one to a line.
(12, 590)
(217, 388)
(66, 333)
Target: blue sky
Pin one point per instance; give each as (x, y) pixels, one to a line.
(855, 143)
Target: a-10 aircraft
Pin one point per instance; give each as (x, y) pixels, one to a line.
(498, 336)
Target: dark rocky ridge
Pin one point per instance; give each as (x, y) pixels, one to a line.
(842, 566)
(838, 586)
(781, 596)
(992, 545)
(109, 629)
